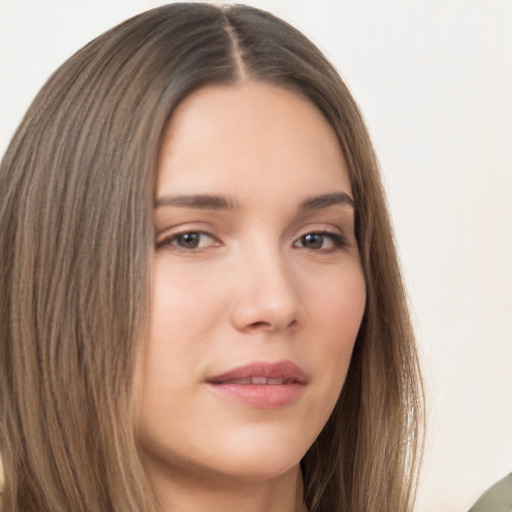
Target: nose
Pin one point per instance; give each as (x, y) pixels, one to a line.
(265, 298)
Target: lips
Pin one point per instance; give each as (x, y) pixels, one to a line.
(263, 373)
(261, 384)
(277, 381)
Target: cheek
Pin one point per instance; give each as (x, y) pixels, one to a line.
(184, 301)
(337, 304)
(181, 324)
(337, 307)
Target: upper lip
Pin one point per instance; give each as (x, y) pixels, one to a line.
(286, 370)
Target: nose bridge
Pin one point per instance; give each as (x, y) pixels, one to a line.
(266, 297)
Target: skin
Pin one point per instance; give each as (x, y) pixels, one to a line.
(253, 288)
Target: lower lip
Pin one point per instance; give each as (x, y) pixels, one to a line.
(261, 396)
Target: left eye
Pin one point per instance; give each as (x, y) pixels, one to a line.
(319, 241)
(190, 240)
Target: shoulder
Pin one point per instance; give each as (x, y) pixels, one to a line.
(497, 499)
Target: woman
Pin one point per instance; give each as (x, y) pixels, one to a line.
(202, 304)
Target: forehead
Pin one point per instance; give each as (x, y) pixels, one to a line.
(250, 137)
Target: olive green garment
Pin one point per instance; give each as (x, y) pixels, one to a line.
(497, 499)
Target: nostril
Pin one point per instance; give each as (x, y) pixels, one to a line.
(260, 325)
(269, 326)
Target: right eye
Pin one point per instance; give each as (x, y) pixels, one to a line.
(189, 241)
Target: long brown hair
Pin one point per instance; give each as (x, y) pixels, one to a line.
(76, 241)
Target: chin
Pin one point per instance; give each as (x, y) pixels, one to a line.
(268, 464)
(256, 455)
(265, 449)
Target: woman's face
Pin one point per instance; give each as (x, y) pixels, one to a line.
(258, 291)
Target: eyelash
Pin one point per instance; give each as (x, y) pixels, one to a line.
(338, 240)
(173, 239)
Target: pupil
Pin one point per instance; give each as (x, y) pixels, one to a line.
(189, 240)
(313, 241)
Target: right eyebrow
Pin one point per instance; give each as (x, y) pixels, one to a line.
(201, 201)
(326, 200)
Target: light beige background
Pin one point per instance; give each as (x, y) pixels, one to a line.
(434, 80)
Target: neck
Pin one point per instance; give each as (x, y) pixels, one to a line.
(211, 493)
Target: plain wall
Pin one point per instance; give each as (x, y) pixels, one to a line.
(434, 81)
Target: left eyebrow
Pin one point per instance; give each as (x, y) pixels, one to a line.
(326, 200)
(200, 201)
